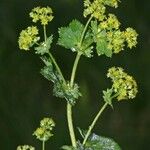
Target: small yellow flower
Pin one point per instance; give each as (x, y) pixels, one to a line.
(25, 147)
(28, 38)
(111, 3)
(95, 9)
(131, 37)
(116, 40)
(44, 15)
(43, 133)
(110, 23)
(47, 123)
(40, 131)
(113, 22)
(123, 84)
(103, 25)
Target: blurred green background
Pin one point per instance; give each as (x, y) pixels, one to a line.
(26, 97)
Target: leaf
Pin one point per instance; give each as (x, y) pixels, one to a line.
(79, 147)
(69, 37)
(87, 48)
(48, 71)
(47, 61)
(65, 147)
(82, 132)
(94, 28)
(48, 74)
(102, 46)
(96, 142)
(107, 95)
(62, 90)
(44, 47)
(100, 39)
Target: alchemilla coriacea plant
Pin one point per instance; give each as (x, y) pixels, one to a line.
(101, 34)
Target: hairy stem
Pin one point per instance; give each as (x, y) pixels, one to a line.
(74, 69)
(57, 67)
(43, 145)
(83, 33)
(69, 107)
(45, 36)
(52, 58)
(70, 125)
(94, 122)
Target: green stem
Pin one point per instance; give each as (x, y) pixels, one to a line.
(93, 123)
(74, 69)
(69, 107)
(45, 36)
(70, 125)
(57, 67)
(52, 58)
(83, 33)
(43, 145)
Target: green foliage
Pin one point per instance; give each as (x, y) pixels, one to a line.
(48, 71)
(102, 46)
(44, 47)
(61, 89)
(96, 142)
(71, 94)
(107, 96)
(100, 38)
(101, 32)
(69, 37)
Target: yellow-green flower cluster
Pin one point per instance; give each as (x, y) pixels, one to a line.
(43, 133)
(111, 3)
(25, 147)
(115, 41)
(124, 85)
(44, 15)
(28, 38)
(131, 37)
(97, 8)
(110, 23)
(115, 38)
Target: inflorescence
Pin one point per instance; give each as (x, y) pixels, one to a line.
(28, 37)
(25, 147)
(44, 15)
(124, 86)
(44, 132)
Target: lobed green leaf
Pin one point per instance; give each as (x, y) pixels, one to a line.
(44, 47)
(69, 37)
(96, 142)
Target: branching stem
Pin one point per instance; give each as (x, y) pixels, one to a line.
(52, 58)
(83, 33)
(57, 67)
(94, 122)
(69, 107)
(74, 69)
